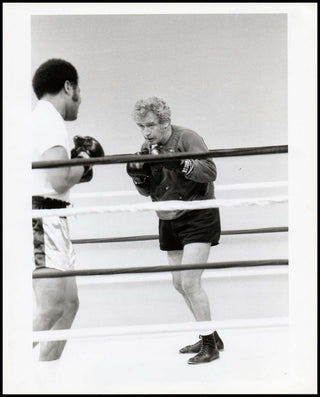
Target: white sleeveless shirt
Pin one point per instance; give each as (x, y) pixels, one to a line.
(48, 130)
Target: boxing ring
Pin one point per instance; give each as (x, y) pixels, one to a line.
(120, 341)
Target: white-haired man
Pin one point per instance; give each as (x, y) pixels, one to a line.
(186, 235)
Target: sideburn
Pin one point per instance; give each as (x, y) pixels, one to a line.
(75, 97)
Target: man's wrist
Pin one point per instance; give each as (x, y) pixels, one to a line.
(86, 167)
(186, 167)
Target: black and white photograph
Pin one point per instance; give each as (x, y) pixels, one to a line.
(159, 198)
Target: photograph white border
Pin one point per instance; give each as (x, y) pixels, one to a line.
(302, 123)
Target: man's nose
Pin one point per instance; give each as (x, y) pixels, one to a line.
(146, 131)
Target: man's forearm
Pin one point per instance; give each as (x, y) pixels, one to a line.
(64, 179)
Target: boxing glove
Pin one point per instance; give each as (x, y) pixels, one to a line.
(86, 147)
(183, 166)
(139, 172)
(174, 165)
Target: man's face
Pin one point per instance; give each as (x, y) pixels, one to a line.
(73, 105)
(152, 130)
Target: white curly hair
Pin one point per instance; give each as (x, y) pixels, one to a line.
(154, 104)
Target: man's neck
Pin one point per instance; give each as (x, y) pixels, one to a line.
(167, 135)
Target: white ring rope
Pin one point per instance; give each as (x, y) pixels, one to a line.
(172, 205)
(218, 188)
(81, 333)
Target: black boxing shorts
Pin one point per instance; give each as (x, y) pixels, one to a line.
(52, 245)
(196, 226)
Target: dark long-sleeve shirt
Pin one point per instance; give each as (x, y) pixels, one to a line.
(167, 184)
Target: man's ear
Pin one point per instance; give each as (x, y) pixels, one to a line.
(68, 87)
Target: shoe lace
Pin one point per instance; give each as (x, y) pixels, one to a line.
(206, 345)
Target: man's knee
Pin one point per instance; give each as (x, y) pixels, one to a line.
(75, 304)
(72, 305)
(50, 313)
(178, 286)
(190, 286)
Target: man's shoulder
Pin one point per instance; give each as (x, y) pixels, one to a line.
(45, 111)
(45, 115)
(48, 129)
(43, 106)
(185, 132)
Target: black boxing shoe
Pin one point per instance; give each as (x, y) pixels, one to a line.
(208, 351)
(196, 347)
(219, 342)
